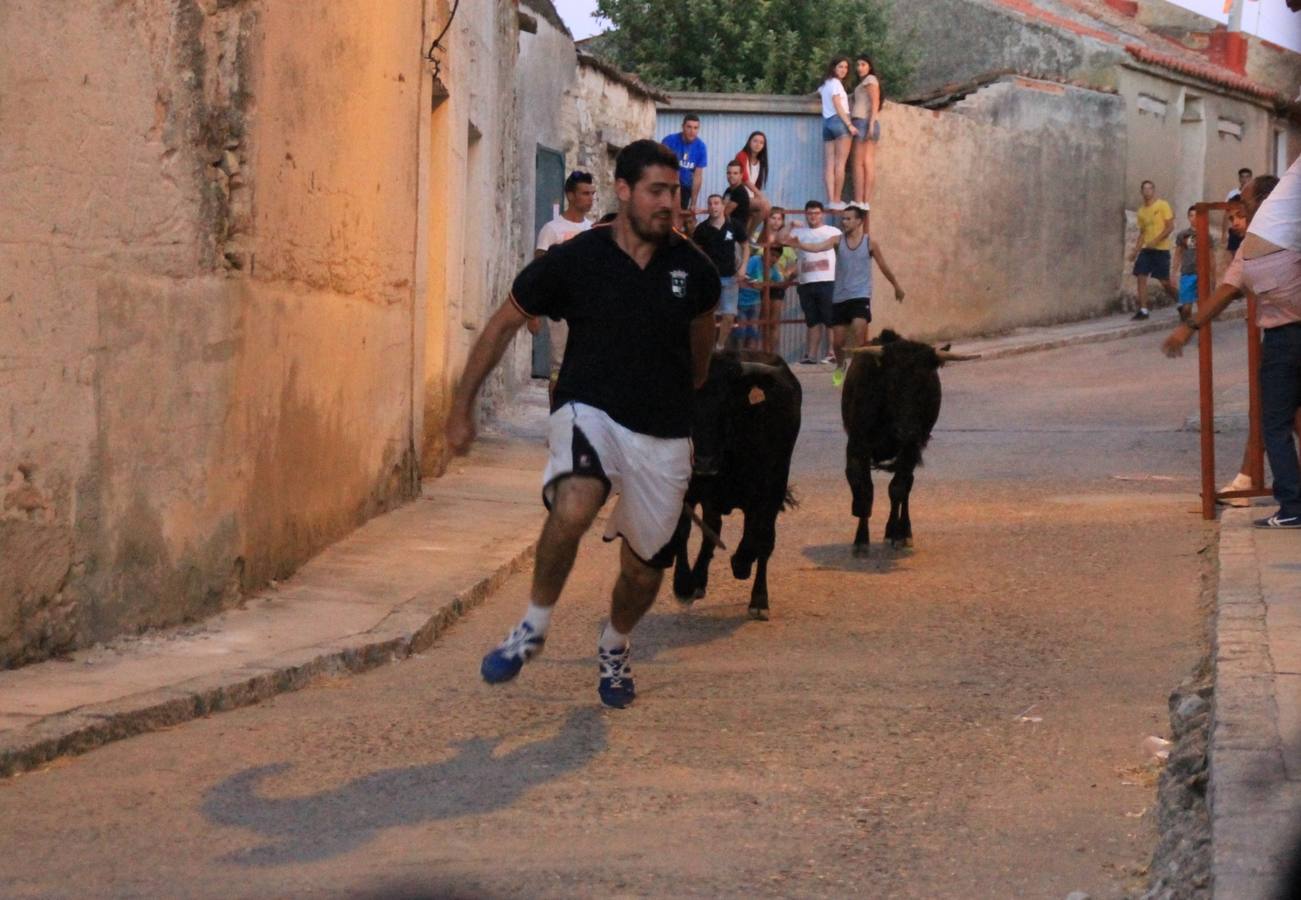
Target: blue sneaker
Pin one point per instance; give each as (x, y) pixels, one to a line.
(504, 663)
(616, 687)
(1278, 520)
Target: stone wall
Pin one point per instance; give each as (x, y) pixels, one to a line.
(1002, 212)
(469, 225)
(207, 253)
(606, 114)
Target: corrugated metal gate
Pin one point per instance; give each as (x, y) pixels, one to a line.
(794, 157)
(794, 150)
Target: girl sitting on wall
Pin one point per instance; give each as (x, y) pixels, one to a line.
(753, 158)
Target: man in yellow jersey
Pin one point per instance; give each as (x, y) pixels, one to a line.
(1156, 222)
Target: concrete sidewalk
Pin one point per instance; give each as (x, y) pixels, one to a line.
(380, 594)
(1255, 741)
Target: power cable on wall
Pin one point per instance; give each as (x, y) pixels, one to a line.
(436, 46)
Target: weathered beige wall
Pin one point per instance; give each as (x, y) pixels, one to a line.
(207, 248)
(1004, 211)
(603, 117)
(470, 212)
(1157, 142)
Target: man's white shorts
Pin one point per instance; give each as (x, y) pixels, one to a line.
(649, 474)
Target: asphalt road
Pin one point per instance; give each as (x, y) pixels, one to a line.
(962, 719)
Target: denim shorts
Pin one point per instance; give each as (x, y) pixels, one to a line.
(833, 128)
(729, 297)
(863, 136)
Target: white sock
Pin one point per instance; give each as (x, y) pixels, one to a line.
(611, 639)
(538, 618)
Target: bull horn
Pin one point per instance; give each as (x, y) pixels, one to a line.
(758, 368)
(873, 349)
(950, 356)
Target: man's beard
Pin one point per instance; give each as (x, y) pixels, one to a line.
(644, 227)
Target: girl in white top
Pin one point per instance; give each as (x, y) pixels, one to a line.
(866, 108)
(837, 129)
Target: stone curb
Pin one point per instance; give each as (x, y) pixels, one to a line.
(410, 628)
(1245, 750)
(1102, 337)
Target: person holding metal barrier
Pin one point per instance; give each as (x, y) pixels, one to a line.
(1269, 265)
(865, 114)
(837, 129)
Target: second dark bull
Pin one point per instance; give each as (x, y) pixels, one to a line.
(891, 402)
(747, 419)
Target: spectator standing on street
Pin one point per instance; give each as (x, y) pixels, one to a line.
(851, 299)
(753, 158)
(719, 238)
(1186, 262)
(1269, 265)
(817, 274)
(693, 157)
(1151, 255)
(580, 196)
(837, 129)
(865, 109)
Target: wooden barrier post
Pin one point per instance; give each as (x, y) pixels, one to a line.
(1206, 380)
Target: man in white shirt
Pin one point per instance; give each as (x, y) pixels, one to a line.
(580, 195)
(817, 273)
(1269, 265)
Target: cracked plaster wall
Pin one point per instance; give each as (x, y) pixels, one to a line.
(207, 249)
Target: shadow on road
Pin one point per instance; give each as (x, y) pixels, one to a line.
(840, 557)
(473, 782)
(677, 629)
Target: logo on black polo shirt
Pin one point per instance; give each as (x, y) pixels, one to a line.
(678, 278)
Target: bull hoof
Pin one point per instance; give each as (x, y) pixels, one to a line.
(898, 543)
(759, 615)
(861, 551)
(698, 593)
(684, 599)
(908, 542)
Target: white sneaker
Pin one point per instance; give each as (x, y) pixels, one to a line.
(1240, 482)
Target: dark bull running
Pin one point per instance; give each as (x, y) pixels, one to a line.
(890, 404)
(747, 418)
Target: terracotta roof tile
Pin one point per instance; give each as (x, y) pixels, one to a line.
(1203, 70)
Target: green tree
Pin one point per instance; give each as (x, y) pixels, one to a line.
(755, 46)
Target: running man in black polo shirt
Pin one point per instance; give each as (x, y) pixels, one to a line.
(639, 301)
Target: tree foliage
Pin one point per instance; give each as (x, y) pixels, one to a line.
(755, 46)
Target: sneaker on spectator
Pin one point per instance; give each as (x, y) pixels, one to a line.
(808, 361)
(1278, 520)
(830, 359)
(1139, 316)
